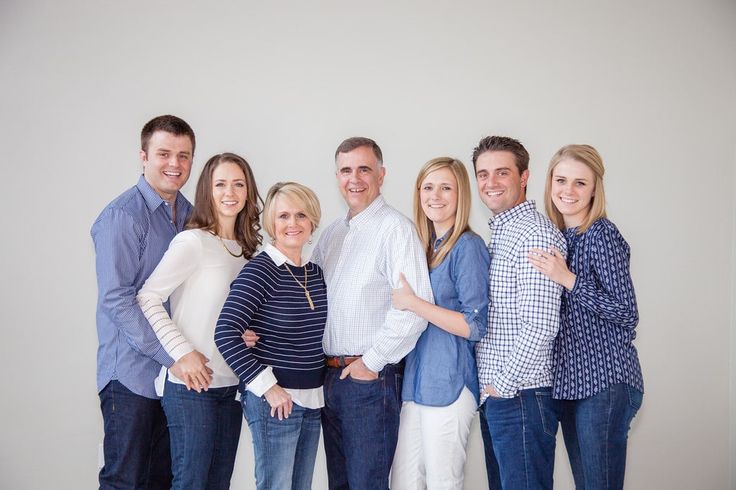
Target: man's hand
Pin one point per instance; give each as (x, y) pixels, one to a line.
(250, 338)
(491, 391)
(192, 369)
(280, 401)
(358, 370)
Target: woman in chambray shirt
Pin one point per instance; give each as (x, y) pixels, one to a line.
(596, 366)
(440, 391)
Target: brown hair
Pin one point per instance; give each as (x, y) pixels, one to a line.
(503, 143)
(588, 156)
(168, 124)
(351, 144)
(425, 227)
(204, 215)
(300, 195)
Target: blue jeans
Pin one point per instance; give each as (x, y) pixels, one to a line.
(595, 431)
(361, 428)
(285, 450)
(136, 441)
(494, 477)
(523, 430)
(204, 429)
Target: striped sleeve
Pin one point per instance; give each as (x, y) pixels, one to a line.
(247, 293)
(178, 263)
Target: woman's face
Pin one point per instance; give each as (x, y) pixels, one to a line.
(292, 227)
(573, 185)
(229, 191)
(438, 196)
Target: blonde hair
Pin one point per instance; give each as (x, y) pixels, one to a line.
(588, 156)
(300, 195)
(425, 227)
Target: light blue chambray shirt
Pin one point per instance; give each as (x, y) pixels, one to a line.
(441, 363)
(130, 236)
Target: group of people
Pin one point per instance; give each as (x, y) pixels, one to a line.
(390, 337)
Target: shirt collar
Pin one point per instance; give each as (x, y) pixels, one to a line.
(153, 200)
(365, 215)
(513, 213)
(438, 241)
(277, 256)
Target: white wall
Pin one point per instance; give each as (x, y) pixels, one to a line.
(650, 84)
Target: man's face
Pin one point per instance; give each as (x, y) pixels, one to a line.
(360, 178)
(499, 183)
(167, 163)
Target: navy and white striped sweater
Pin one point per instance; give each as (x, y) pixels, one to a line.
(267, 299)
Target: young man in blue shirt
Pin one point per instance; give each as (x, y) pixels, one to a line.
(130, 236)
(515, 357)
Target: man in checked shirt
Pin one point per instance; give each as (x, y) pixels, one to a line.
(515, 357)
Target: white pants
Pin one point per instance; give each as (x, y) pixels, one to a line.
(432, 445)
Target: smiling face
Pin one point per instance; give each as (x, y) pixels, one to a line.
(360, 178)
(292, 227)
(167, 162)
(500, 185)
(438, 196)
(573, 187)
(229, 194)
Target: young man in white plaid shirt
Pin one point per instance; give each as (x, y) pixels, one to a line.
(515, 357)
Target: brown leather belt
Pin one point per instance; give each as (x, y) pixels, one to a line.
(340, 361)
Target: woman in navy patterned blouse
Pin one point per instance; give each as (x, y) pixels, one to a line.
(597, 374)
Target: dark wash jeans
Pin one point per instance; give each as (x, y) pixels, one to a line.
(494, 478)
(596, 431)
(204, 429)
(136, 441)
(360, 423)
(523, 430)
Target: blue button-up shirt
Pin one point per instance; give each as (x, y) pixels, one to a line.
(594, 348)
(441, 363)
(130, 236)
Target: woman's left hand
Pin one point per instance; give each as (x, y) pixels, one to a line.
(552, 264)
(402, 297)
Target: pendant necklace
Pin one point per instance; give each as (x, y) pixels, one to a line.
(242, 253)
(303, 286)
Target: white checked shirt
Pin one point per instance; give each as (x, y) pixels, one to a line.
(524, 308)
(361, 259)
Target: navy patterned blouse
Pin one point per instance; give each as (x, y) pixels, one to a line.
(594, 347)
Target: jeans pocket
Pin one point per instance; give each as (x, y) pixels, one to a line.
(635, 399)
(364, 381)
(547, 412)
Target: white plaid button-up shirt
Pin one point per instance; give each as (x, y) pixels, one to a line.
(524, 308)
(361, 259)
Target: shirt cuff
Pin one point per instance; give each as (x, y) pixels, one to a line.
(262, 383)
(163, 358)
(504, 387)
(470, 320)
(373, 361)
(181, 350)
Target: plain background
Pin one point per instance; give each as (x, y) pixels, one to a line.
(652, 85)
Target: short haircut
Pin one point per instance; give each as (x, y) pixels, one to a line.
(503, 143)
(204, 214)
(298, 194)
(351, 144)
(588, 156)
(425, 226)
(168, 124)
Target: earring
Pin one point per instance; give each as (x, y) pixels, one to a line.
(310, 240)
